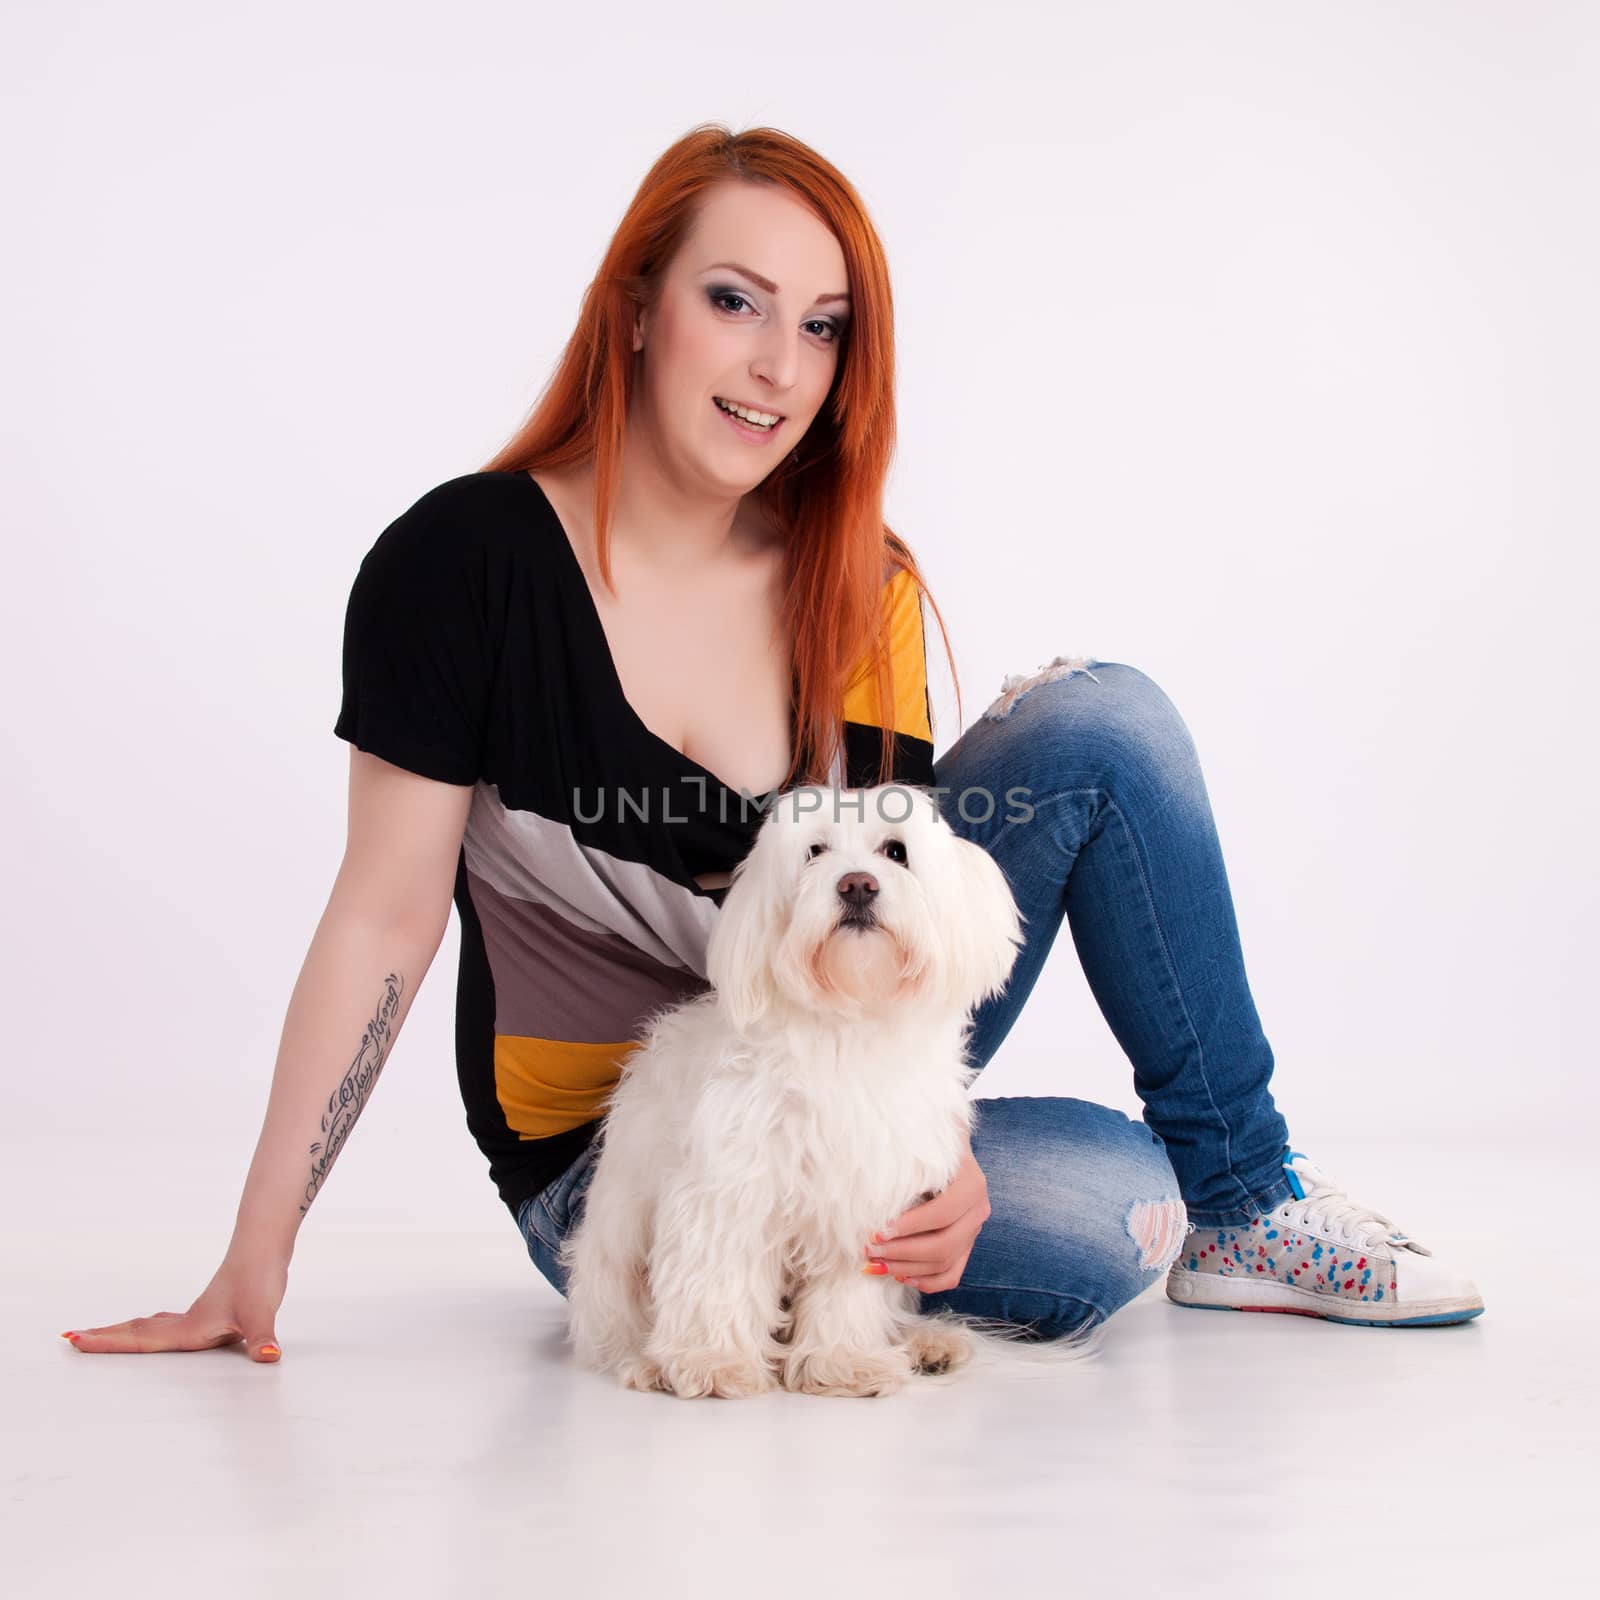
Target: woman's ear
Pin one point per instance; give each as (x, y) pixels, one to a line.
(984, 928)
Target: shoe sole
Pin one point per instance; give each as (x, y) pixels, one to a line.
(1211, 1291)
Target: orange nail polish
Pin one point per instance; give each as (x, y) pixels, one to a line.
(72, 1336)
(270, 1350)
(876, 1267)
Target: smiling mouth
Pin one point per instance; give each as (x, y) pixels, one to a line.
(756, 427)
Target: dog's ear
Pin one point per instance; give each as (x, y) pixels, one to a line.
(984, 930)
(738, 956)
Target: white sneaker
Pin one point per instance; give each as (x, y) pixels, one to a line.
(1320, 1254)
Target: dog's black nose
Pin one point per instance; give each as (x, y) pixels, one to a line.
(858, 888)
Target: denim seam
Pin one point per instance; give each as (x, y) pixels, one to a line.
(533, 1225)
(1166, 950)
(1060, 794)
(1013, 1288)
(1266, 1203)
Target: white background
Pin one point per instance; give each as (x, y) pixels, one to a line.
(1254, 345)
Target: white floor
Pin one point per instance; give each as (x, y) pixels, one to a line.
(424, 1435)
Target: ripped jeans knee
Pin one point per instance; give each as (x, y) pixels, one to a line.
(1018, 684)
(1159, 1228)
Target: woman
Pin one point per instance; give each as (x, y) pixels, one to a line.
(572, 679)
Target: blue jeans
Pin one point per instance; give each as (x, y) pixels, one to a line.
(1086, 1205)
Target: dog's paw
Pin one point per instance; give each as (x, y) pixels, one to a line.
(847, 1372)
(937, 1347)
(728, 1376)
(639, 1372)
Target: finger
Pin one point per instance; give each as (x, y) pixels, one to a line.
(138, 1336)
(928, 1278)
(133, 1322)
(114, 1337)
(907, 1255)
(938, 1282)
(900, 1269)
(967, 1189)
(917, 1273)
(940, 1244)
(928, 1253)
(938, 1212)
(151, 1335)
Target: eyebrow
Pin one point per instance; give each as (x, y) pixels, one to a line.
(768, 284)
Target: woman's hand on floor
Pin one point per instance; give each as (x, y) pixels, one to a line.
(240, 1303)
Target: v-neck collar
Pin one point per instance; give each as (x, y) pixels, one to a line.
(603, 651)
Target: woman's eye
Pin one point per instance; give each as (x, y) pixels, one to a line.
(720, 295)
(815, 851)
(895, 851)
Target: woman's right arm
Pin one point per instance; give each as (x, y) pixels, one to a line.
(384, 922)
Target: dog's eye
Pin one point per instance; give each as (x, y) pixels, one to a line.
(895, 851)
(815, 851)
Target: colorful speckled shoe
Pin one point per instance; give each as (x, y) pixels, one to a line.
(1320, 1254)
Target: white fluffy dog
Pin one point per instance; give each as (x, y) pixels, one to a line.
(767, 1128)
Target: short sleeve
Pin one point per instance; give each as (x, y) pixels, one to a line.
(418, 662)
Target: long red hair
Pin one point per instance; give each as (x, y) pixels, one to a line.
(828, 504)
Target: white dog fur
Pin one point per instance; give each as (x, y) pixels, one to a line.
(766, 1129)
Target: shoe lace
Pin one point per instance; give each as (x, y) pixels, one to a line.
(1329, 1208)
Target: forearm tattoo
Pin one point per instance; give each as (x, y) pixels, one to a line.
(355, 1088)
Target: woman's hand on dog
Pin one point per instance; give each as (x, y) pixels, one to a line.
(928, 1246)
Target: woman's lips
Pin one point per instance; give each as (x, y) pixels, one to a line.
(744, 430)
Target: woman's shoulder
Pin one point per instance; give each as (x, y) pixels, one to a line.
(484, 503)
(462, 523)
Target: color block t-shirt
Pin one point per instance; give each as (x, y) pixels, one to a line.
(474, 654)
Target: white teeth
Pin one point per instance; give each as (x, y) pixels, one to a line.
(758, 419)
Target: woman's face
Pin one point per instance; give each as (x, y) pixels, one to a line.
(751, 310)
